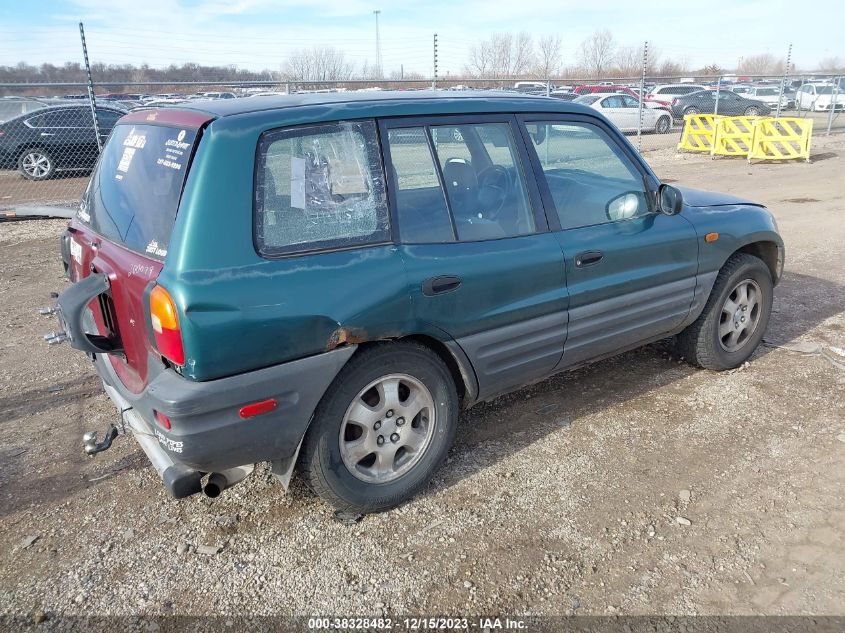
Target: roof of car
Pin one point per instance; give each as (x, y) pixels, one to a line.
(430, 102)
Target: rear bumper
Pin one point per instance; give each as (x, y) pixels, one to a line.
(207, 433)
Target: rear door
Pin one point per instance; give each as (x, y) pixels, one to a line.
(482, 268)
(631, 272)
(123, 227)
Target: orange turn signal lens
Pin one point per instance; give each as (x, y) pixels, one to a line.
(711, 237)
(165, 322)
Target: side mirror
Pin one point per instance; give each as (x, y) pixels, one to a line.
(624, 206)
(670, 201)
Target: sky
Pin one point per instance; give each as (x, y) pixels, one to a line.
(258, 34)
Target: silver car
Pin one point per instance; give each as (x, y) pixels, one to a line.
(624, 112)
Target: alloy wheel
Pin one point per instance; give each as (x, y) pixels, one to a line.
(36, 164)
(740, 315)
(387, 428)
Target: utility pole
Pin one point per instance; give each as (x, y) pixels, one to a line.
(91, 100)
(378, 46)
(642, 96)
(783, 79)
(434, 76)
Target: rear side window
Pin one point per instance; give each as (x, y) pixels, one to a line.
(319, 187)
(134, 193)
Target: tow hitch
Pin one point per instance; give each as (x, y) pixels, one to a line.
(90, 440)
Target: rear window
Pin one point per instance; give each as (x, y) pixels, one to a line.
(134, 193)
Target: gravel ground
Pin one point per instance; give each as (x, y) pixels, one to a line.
(638, 485)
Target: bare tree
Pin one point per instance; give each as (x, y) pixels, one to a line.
(672, 68)
(628, 60)
(831, 64)
(548, 63)
(501, 56)
(763, 64)
(712, 70)
(318, 64)
(596, 54)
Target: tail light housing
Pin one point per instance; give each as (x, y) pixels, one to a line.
(675, 101)
(165, 324)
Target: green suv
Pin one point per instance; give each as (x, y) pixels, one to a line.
(327, 280)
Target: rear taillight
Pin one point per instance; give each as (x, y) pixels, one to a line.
(165, 322)
(675, 101)
(2, 133)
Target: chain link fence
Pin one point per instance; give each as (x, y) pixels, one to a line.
(49, 134)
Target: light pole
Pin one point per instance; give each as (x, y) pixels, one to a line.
(378, 46)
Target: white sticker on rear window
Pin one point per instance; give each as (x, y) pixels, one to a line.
(135, 140)
(297, 182)
(125, 160)
(154, 249)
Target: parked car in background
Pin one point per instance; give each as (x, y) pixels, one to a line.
(664, 93)
(11, 107)
(530, 87)
(616, 89)
(819, 97)
(54, 138)
(704, 102)
(770, 95)
(564, 95)
(217, 95)
(624, 112)
(537, 243)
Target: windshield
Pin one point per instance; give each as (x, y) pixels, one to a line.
(767, 92)
(825, 90)
(134, 193)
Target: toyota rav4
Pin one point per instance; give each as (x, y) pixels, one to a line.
(327, 280)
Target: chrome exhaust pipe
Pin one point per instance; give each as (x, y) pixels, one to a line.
(218, 482)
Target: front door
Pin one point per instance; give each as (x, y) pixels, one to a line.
(631, 271)
(482, 268)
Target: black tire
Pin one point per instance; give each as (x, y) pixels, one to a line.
(36, 164)
(700, 343)
(752, 111)
(691, 110)
(320, 459)
(664, 124)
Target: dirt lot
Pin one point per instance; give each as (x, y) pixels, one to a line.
(638, 485)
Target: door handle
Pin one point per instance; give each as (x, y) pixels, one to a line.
(439, 285)
(47, 134)
(588, 258)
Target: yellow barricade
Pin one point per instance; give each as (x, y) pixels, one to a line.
(698, 133)
(733, 135)
(785, 138)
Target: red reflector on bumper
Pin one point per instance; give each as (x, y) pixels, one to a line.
(163, 420)
(257, 408)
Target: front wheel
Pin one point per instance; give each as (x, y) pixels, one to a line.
(735, 317)
(752, 111)
(691, 110)
(664, 123)
(36, 164)
(382, 429)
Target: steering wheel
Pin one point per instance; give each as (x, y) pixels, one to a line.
(494, 187)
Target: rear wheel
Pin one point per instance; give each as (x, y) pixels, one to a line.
(382, 429)
(691, 110)
(735, 317)
(752, 111)
(663, 125)
(36, 164)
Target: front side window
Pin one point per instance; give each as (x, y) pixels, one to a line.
(484, 181)
(589, 178)
(320, 188)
